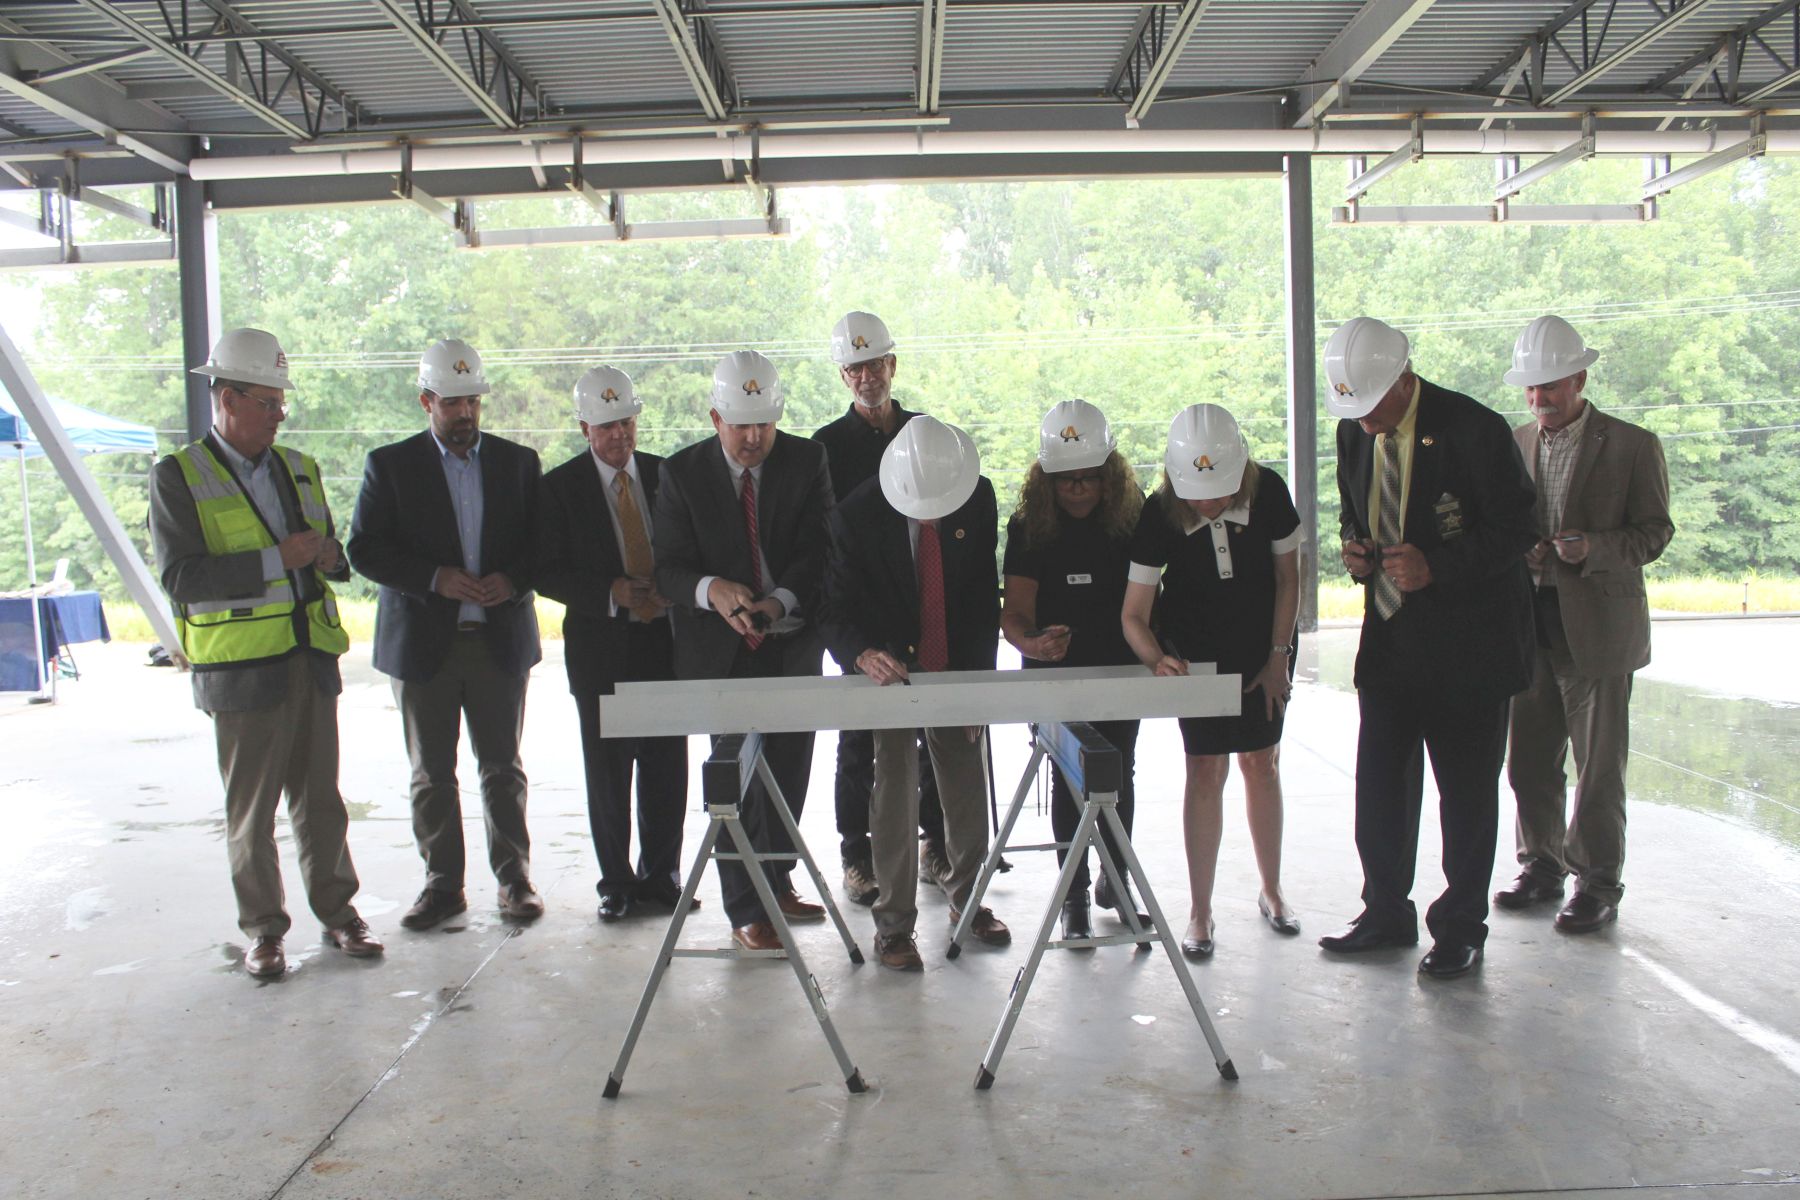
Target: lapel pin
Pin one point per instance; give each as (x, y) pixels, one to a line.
(1425, 441)
(959, 534)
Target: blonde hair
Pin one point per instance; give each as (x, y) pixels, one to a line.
(1185, 519)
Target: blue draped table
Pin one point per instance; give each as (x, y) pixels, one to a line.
(67, 619)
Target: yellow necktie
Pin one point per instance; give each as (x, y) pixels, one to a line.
(638, 562)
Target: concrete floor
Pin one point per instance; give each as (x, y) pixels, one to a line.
(140, 1061)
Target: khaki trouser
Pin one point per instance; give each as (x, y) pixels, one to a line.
(1562, 710)
(292, 748)
(894, 818)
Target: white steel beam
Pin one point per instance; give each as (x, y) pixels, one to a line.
(932, 15)
(1370, 32)
(23, 387)
(1580, 151)
(1490, 214)
(1412, 152)
(1751, 147)
(1675, 19)
(798, 705)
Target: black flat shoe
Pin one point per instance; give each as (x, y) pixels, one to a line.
(1288, 925)
(614, 906)
(1199, 948)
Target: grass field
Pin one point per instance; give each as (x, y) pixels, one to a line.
(1337, 601)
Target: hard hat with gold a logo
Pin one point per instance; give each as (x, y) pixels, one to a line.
(1074, 436)
(746, 389)
(1363, 359)
(604, 395)
(452, 368)
(859, 338)
(1206, 454)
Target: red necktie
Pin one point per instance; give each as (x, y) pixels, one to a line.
(753, 640)
(934, 642)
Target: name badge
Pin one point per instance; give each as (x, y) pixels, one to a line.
(1081, 579)
(1449, 513)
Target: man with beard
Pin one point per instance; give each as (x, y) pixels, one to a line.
(444, 524)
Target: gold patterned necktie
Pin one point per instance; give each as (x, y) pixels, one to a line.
(638, 561)
(1387, 533)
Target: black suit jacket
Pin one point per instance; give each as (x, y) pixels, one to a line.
(1469, 511)
(872, 597)
(578, 557)
(404, 530)
(699, 531)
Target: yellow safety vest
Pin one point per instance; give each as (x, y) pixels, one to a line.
(253, 629)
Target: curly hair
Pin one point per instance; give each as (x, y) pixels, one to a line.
(1121, 499)
(1184, 518)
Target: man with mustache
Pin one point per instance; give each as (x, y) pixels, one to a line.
(445, 524)
(1602, 513)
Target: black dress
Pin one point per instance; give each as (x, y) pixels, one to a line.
(1081, 576)
(1218, 599)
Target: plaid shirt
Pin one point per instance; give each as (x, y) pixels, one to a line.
(1557, 450)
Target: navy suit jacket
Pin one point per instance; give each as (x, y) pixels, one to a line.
(578, 557)
(872, 596)
(1469, 511)
(404, 530)
(700, 531)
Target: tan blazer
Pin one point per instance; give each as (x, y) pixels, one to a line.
(1618, 497)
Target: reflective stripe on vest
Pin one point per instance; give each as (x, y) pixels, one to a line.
(259, 628)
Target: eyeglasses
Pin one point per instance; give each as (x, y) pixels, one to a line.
(274, 407)
(1070, 483)
(874, 366)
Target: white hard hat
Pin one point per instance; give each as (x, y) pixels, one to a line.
(1547, 351)
(247, 356)
(930, 469)
(859, 337)
(1207, 453)
(604, 395)
(452, 368)
(746, 389)
(1362, 360)
(1074, 435)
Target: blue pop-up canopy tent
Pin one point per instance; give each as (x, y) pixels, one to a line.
(92, 433)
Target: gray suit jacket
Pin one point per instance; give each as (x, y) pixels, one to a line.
(1619, 497)
(190, 575)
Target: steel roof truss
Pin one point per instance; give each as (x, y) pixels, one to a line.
(1154, 53)
(1375, 27)
(1735, 43)
(932, 15)
(77, 115)
(701, 59)
(485, 72)
(1594, 64)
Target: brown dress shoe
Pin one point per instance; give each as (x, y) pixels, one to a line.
(521, 901)
(264, 959)
(934, 866)
(758, 935)
(986, 926)
(432, 906)
(898, 952)
(796, 909)
(355, 939)
(1528, 889)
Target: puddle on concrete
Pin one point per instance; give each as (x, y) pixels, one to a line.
(85, 907)
(1728, 756)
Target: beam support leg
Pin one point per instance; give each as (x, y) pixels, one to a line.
(197, 255)
(1303, 377)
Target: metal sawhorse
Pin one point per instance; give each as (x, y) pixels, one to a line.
(736, 760)
(1093, 769)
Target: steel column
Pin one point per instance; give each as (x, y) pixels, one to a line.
(197, 255)
(1303, 378)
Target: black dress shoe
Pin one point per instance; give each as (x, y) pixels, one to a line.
(1447, 960)
(1527, 890)
(1076, 918)
(432, 906)
(1199, 948)
(1120, 902)
(1364, 935)
(1585, 914)
(614, 906)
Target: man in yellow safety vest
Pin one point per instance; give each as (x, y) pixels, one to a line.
(246, 546)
